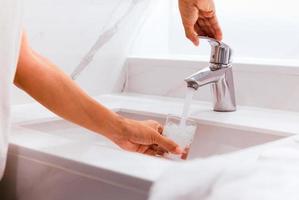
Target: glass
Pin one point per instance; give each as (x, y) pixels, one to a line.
(181, 134)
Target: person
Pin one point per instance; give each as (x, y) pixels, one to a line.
(47, 84)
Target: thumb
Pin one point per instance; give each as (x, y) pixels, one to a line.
(166, 143)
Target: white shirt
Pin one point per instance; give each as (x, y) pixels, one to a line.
(10, 35)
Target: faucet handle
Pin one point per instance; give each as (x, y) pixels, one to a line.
(221, 53)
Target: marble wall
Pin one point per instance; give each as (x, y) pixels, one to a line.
(261, 85)
(65, 31)
(155, 30)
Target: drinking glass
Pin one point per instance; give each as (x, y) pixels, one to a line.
(180, 131)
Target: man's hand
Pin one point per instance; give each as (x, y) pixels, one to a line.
(143, 137)
(199, 19)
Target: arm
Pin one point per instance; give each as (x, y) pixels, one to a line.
(199, 19)
(56, 91)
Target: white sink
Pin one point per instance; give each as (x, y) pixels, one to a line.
(71, 158)
(63, 128)
(212, 140)
(209, 140)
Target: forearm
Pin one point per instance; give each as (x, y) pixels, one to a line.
(56, 91)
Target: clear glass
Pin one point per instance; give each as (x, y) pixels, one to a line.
(183, 135)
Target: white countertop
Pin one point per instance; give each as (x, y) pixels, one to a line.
(278, 122)
(132, 170)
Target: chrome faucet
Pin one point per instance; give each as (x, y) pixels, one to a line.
(219, 74)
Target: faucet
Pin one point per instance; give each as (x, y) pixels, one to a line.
(219, 74)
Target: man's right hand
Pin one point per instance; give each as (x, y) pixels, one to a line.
(142, 137)
(199, 19)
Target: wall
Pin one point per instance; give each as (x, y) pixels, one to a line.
(263, 34)
(65, 30)
(256, 30)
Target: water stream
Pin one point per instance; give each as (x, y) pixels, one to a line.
(183, 131)
(186, 108)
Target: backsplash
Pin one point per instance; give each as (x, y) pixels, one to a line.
(259, 85)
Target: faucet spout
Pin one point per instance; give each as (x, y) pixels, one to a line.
(204, 77)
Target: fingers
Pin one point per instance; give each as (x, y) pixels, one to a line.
(199, 30)
(215, 28)
(155, 125)
(199, 19)
(144, 135)
(189, 14)
(160, 129)
(142, 148)
(152, 150)
(191, 34)
(203, 27)
(207, 25)
(155, 150)
(166, 143)
(160, 140)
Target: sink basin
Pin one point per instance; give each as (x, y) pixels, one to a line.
(81, 164)
(212, 140)
(65, 129)
(209, 140)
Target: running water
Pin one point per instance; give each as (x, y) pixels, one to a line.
(181, 131)
(187, 104)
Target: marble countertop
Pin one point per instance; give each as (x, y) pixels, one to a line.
(136, 171)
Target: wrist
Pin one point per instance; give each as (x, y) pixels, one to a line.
(113, 126)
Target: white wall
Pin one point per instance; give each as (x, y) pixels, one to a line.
(256, 29)
(153, 38)
(65, 30)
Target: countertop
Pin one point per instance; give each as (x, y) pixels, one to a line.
(136, 171)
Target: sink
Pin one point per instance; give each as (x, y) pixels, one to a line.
(212, 140)
(81, 164)
(209, 140)
(65, 129)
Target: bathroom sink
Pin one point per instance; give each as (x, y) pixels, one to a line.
(212, 140)
(81, 164)
(68, 130)
(209, 140)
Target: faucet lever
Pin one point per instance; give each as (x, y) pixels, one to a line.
(221, 53)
